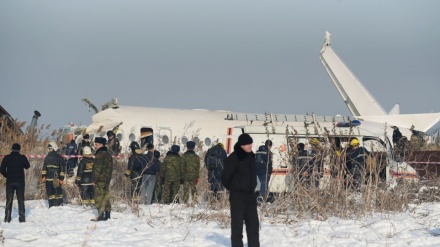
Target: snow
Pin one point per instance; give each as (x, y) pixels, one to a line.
(180, 225)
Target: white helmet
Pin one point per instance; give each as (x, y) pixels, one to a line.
(53, 145)
(87, 150)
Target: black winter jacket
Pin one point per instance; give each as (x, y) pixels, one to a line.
(239, 173)
(13, 166)
(153, 164)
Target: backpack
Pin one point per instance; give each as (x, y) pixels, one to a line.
(214, 160)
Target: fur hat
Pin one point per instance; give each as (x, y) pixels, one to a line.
(101, 140)
(110, 133)
(190, 145)
(16, 147)
(150, 146)
(245, 139)
(175, 148)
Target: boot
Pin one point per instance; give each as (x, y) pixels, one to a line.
(107, 215)
(102, 217)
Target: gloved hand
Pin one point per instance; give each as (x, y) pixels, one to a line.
(182, 181)
(43, 180)
(61, 182)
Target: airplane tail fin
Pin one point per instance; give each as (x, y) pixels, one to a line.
(395, 110)
(359, 101)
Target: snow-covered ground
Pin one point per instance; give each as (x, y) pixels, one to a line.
(177, 225)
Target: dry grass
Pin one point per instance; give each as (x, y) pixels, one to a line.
(334, 199)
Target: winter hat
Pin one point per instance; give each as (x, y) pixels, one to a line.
(150, 146)
(268, 143)
(110, 133)
(101, 140)
(175, 148)
(16, 147)
(190, 145)
(245, 139)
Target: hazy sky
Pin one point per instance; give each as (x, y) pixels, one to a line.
(243, 56)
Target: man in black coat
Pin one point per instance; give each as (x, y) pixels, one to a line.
(240, 178)
(12, 168)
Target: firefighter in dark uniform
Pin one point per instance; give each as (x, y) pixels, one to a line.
(190, 171)
(84, 177)
(53, 175)
(136, 161)
(101, 177)
(356, 162)
(171, 174)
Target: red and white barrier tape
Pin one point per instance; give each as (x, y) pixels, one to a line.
(42, 156)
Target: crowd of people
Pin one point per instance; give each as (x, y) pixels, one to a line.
(173, 178)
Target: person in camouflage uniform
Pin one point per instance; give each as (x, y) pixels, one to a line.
(52, 175)
(84, 177)
(190, 171)
(101, 176)
(136, 161)
(171, 174)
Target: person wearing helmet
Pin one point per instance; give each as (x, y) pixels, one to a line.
(84, 177)
(136, 162)
(171, 174)
(52, 175)
(356, 162)
(214, 162)
(312, 170)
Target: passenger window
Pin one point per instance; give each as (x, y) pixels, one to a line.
(208, 141)
(196, 140)
(132, 137)
(184, 140)
(119, 136)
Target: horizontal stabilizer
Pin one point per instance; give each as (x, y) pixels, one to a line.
(422, 122)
